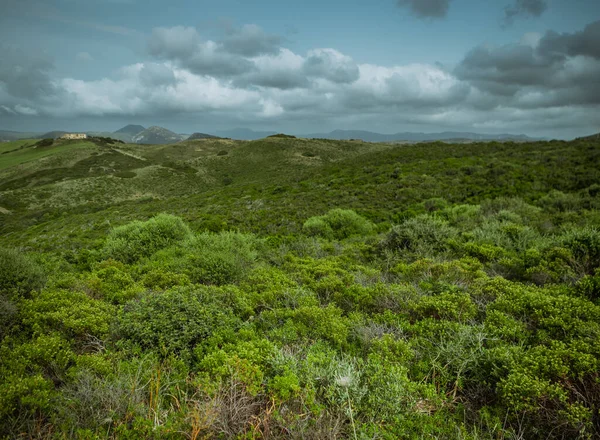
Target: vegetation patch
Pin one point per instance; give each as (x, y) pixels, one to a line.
(383, 291)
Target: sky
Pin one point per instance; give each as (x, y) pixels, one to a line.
(501, 66)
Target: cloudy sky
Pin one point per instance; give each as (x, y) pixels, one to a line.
(491, 66)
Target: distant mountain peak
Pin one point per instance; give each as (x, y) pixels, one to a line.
(131, 129)
(156, 135)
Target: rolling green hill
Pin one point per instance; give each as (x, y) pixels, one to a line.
(295, 288)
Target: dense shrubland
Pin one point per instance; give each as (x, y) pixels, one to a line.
(454, 318)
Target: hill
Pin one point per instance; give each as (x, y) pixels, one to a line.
(201, 136)
(299, 288)
(131, 129)
(156, 135)
(593, 137)
(418, 137)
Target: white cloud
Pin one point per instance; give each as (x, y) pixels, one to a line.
(524, 84)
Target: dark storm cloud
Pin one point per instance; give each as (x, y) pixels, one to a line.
(25, 75)
(185, 46)
(251, 41)
(586, 42)
(524, 8)
(426, 8)
(563, 69)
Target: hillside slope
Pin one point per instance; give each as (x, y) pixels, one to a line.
(294, 288)
(156, 135)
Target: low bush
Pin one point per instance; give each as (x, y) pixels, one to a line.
(174, 321)
(209, 258)
(584, 243)
(422, 235)
(19, 275)
(338, 224)
(131, 242)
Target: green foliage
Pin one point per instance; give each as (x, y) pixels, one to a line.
(174, 321)
(420, 235)
(74, 314)
(584, 243)
(209, 258)
(475, 315)
(111, 281)
(136, 240)
(589, 287)
(28, 372)
(8, 316)
(338, 224)
(45, 142)
(448, 305)
(19, 275)
(311, 322)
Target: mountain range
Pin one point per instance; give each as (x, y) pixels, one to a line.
(370, 136)
(158, 135)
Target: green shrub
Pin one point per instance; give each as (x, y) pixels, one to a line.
(338, 224)
(174, 321)
(137, 240)
(306, 322)
(112, 282)
(559, 201)
(248, 361)
(28, 373)
(45, 142)
(269, 288)
(589, 287)
(19, 275)
(455, 306)
(526, 212)
(9, 314)
(584, 243)
(317, 226)
(422, 235)
(74, 314)
(221, 258)
(209, 258)
(161, 279)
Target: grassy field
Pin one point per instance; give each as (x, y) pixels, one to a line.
(20, 152)
(294, 288)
